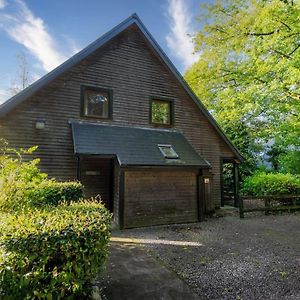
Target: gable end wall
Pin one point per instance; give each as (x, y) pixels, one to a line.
(133, 71)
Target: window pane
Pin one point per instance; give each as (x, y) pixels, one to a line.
(161, 112)
(168, 151)
(96, 103)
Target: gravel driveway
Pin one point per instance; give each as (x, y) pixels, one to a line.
(229, 258)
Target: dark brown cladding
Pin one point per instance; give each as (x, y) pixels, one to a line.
(134, 72)
(160, 197)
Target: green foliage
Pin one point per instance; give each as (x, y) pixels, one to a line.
(161, 112)
(50, 192)
(248, 72)
(52, 242)
(52, 253)
(271, 184)
(290, 161)
(19, 195)
(23, 185)
(16, 175)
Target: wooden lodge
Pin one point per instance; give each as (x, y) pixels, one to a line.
(120, 118)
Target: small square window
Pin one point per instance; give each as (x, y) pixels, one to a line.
(168, 151)
(161, 112)
(96, 103)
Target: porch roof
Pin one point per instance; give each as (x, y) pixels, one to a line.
(134, 146)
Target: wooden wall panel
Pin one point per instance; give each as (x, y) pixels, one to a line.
(160, 197)
(95, 175)
(134, 72)
(116, 193)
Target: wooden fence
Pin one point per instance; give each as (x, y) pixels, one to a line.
(269, 204)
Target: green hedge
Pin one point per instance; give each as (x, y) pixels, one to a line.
(54, 252)
(52, 242)
(271, 184)
(22, 195)
(51, 192)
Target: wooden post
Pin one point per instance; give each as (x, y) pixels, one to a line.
(222, 182)
(242, 208)
(121, 198)
(236, 184)
(78, 168)
(201, 198)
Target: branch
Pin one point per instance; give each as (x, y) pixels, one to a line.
(294, 95)
(220, 30)
(224, 11)
(260, 34)
(292, 34)
(286, 25)
(294, 50)
(260, 80)
(282, 54)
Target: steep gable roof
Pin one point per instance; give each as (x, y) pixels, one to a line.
(133, 19)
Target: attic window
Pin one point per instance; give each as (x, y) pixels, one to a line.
(96, 102)
(161, 112)
(168, 151)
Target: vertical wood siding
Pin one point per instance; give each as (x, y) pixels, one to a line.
(97, 184)
(133, 71)
(160, 197)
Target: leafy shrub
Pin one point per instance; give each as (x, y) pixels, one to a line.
(23, 185)
(52, 242)
(17, 176)
(51, 192)
(13, 168)
(54, 252)
(265, 184)
(20, 195)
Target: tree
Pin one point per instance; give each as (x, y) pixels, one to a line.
(248, 74)
(23, 78)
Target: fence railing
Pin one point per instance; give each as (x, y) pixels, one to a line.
(269, 204)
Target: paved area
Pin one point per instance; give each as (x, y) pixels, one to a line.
(132, 274)
(221, 258)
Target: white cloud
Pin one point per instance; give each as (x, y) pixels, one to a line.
(31, 32)
(178, 40)
(4, 95)
(2, 4)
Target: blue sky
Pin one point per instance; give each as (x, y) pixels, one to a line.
(49, 32)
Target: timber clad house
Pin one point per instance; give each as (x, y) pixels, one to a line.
(121, 119)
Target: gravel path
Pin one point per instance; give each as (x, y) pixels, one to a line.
(229, 258)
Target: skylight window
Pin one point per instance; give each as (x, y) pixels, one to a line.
(168, 151)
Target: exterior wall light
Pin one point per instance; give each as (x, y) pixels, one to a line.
(40, 124)
(206, 180)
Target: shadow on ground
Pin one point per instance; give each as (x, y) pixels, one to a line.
(133, 274)
(223, 258)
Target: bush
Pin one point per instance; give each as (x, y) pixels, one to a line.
(50, 192)
(20, 195)
(271, 184)
(52, 242)
(22, 185)
(52, 253)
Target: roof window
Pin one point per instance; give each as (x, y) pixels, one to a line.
(168, 151)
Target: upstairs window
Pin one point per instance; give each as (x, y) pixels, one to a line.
(161, 112)
(96, 102)
(168, 151)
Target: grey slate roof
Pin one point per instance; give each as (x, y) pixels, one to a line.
(134, 146)
(133, 19)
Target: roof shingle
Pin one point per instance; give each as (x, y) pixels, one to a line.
(134, 146)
